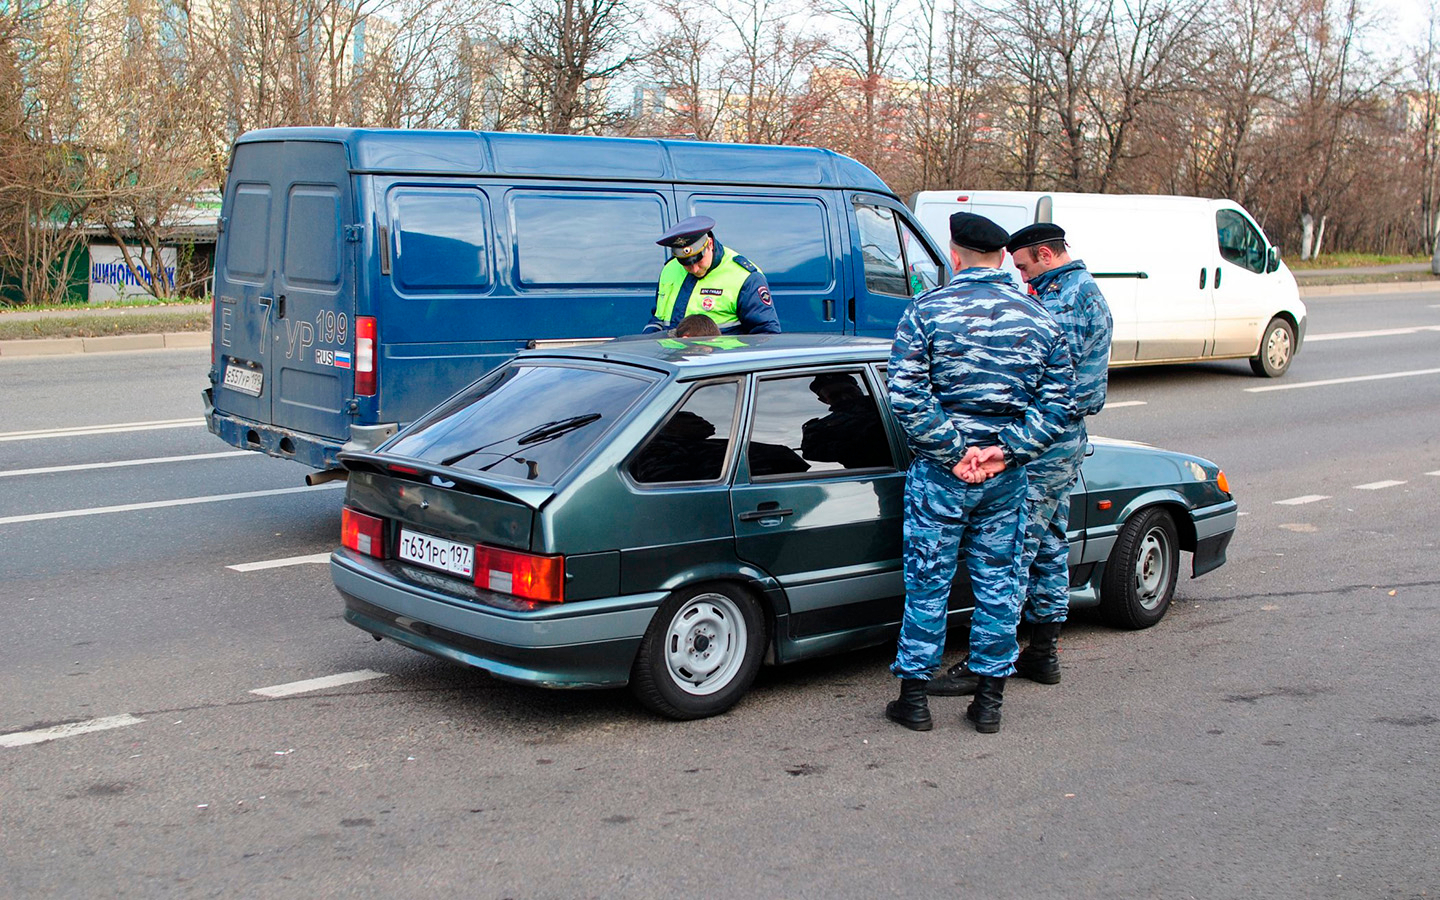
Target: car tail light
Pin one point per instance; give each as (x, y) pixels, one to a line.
(1222, 482)
(522, 574)
(365, 356)
(362, 533)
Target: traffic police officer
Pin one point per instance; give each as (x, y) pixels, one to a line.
(1067, 291)
(707, 278)
(980, 379)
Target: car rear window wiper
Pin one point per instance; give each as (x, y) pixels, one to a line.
(551, 430)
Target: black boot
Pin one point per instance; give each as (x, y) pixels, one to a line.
(1040, 661)
(984, 710)
(912, 709)
(957, 681)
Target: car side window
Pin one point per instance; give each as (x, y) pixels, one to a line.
(818, 423)
(880, 250)
(694, 442)
(1240, 243)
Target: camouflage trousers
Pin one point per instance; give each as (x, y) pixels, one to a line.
(1047, 558)
(947, 520)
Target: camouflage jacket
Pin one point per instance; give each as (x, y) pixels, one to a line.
(977, 363)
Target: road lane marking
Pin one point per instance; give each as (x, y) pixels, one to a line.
(1437, 472)
(1306, 384)
(1124, 403)
(41, 735)
(277, 563)
(1384, 332)
(83, 430)
(161, 504)
(319, 684)
(1297, 501)
(124, 462)
(1377, 485)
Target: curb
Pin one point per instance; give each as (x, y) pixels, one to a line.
(177, 340)
(1388, 287)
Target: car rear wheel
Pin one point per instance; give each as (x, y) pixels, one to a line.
(1277, 348)
(1139, 578)
(700, 653)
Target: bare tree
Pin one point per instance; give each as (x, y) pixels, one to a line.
(781, 96)
(954, 68)
(567, 51)
(867, 49)
(1425, 88)
(689, 64)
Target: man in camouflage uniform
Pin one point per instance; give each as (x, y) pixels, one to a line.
(980, 379)
(1068, 292)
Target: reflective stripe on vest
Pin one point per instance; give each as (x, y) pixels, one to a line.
(717, 295)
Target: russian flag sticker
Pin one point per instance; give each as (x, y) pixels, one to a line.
(342, 359)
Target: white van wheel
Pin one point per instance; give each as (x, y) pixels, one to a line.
(1277, 348)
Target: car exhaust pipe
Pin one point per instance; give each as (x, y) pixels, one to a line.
(315, 478)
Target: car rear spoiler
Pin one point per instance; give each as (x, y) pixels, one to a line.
(426, 472)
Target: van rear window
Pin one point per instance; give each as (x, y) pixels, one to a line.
(527, 422)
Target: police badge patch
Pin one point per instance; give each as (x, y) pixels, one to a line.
(707, 304)
(764, 295)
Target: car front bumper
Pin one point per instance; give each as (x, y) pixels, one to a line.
(1214, 527)
(588, 644)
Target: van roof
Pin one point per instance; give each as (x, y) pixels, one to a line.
(417, 152)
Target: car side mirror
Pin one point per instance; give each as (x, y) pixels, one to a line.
(1272, 261)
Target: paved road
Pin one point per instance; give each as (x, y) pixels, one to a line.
(1276, 735)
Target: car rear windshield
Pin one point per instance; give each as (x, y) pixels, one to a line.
(528, 422)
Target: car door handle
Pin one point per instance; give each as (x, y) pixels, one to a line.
(766, 511)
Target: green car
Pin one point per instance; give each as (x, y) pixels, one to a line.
(670, 514)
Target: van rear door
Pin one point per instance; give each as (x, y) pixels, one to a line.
(312, 316)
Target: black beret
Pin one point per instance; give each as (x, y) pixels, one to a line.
(976, 233)
(1039, 233)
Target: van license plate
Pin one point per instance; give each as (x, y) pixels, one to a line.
(243, 379)
(437, 553)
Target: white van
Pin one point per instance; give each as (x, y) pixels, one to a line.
(1186, 278)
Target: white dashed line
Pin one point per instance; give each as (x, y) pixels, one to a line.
(41, 735)
(1328, 381)
(318, 684)
(278, 563)
(1377, 485)
(1387, 332)
(1124, 403)
(1298, 501)
(81, 431)
(1437, 472)
(125, 462)
(161, 504)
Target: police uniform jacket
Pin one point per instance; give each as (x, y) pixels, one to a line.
(978, 363)
(1071, 295)
(734, 293)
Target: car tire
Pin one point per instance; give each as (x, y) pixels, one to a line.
(701, 652)
(1277, 348)
(1139, 579)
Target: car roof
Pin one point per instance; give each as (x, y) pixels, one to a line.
(702, 357)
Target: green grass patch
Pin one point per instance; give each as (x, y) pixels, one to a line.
(1352, 260)
(127, 322)
(1393, 277)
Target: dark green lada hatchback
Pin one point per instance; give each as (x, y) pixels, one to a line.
(670, 514)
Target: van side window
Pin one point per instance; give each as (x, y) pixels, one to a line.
(440, 240)
(1240, 243)
(787, 237)
(694, 442)
(924, 270)
(880, 249)
(817, 424)
(587, 238)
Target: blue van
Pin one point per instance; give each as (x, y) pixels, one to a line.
(361, 275)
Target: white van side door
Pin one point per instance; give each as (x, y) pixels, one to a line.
(1244, 292)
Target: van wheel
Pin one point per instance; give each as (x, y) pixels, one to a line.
(701, 652)
(1139, 579)
(1277, 348)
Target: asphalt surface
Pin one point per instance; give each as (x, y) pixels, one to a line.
(1275, 735)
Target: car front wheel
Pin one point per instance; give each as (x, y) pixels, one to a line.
(1140, 575)
(700, 653)
(1277, 348)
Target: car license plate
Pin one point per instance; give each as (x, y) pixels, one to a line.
(437, 553)
(244, 379)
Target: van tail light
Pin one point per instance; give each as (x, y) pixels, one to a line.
(522, 574)
(365, 356)
(362, 533)
(1222, 482)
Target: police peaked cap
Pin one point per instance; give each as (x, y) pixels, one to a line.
(1039, 233)
(686, 237)
(977, 233)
